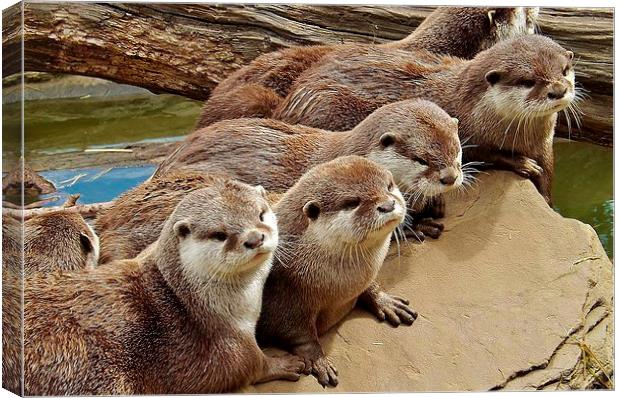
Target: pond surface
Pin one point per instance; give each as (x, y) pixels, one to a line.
(583, 184)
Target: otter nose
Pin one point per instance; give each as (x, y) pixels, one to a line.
(255, 240)
(387, 207)
(448, 180)
(557, 92)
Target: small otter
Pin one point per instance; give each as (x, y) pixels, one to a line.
(179, 318)
(256, 89)
(506, 98)
(136, 218)
(415, 139)
(335, 225)
(59, 240)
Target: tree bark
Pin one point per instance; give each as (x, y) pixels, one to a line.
(187, 49)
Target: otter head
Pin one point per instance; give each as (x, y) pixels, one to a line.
(507, 22)
(349, 201)
(223, 230)
(75, 244)
(418, 142)
(530, 76)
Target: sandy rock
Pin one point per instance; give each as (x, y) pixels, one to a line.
(510, 297)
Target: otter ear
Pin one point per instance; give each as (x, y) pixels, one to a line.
(455, 120)
(312, 210)
(387, 139)
(570, 55)
(87, 245)
(492, 77)
(182, 229)
(491, 15)
(261, 191)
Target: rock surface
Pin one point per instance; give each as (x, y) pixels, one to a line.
(510, 297)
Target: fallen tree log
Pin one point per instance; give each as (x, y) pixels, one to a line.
(187, 49)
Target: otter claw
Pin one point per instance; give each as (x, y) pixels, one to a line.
(527, 167)
(394, 309)
(325, 372)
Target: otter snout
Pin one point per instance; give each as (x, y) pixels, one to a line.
(448, 176)
(254, 240)
(387, 207)
(557, 91)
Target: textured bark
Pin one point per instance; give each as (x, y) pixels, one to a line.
(187, 49)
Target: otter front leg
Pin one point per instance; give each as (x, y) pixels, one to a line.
(384, 306)
(286, 367)
(315, 360)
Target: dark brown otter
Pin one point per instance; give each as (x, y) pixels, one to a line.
(256, 89)
(506, 98)
(335, 225)
(178, 319)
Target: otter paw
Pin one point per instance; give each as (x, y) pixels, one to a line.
(325, 372)
(285, 367)
(394, 309)
(424, 227)
(527, 167)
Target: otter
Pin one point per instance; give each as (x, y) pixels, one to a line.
(335, 225)
(59, 240)
(179, 318)
(506, 98)
(256, 89)
(415, 139)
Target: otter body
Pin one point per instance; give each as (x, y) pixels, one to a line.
(506, 98)
(179, 318)
(60, 240)
(415, 139)
(335, 225)
(256, 89)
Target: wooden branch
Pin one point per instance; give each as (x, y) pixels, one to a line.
(187, 49)
(86, 211)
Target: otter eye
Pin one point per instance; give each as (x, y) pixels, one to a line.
(221, 236)
(421, 161)
(351, 203)
(262, 215)
(527, 83)
(390, 186)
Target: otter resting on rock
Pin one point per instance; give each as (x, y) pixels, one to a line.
(506, 98)
(335, 225)
(178, 319)
(414, 139)
(256, 89)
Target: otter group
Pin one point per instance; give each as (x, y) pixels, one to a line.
(271, 221)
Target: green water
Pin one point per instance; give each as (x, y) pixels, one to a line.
(583, 185)
(75, 124)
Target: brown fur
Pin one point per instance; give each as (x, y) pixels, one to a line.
(149, 325)
(135, 219)
(274, 154)
(12, 260)
(341, 93)
(317, 277)
(59, 240)
(256, 89)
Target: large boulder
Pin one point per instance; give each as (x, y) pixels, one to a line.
(512, 296)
